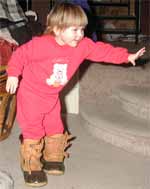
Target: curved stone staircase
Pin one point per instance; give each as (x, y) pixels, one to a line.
(120, 113)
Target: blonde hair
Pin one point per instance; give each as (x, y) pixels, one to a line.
(64, 15)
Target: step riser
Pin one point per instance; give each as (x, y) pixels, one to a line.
(135, 100)
(136, 109)
(129, 143)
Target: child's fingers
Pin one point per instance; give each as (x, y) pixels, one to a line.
(11, 85)
(133, 63)
(141, 52)
(7, 86)
(13, 89)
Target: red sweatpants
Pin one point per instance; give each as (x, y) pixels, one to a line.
(38, 116)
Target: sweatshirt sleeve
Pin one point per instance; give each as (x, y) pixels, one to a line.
(104, 52)
(19, 58)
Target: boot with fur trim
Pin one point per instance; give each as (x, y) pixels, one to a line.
(54, 153)
(30, 153)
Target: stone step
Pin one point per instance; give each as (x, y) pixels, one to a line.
(111, 123)
(134, 99)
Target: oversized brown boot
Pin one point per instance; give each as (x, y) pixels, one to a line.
(54, 153)
(30, 153)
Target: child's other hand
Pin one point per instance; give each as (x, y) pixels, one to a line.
(11, 84)
(138, 54)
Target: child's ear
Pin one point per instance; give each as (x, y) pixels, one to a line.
(56, 31)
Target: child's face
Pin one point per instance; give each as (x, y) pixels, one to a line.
(70, 36)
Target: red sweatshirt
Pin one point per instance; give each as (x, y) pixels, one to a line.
(46, 66)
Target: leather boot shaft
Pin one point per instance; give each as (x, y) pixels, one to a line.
(30, 152)
(55, 147)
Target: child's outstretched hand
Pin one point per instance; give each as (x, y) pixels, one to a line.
(133, 57)
(11, 84)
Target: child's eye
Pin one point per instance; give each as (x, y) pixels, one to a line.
(75, 29)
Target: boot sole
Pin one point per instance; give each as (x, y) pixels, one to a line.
(36, 184)
(54, 172)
